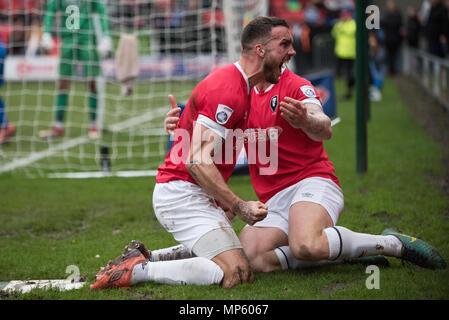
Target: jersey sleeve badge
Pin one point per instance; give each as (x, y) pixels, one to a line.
(308, 91)
(223, 114)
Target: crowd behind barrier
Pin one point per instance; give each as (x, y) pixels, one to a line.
(197, 27)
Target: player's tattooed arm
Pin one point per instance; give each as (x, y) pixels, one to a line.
(318, 121)
(250, 211)
(203, 170)
(309, 117)
(200, 165)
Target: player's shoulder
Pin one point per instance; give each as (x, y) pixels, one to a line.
(299, 87)
(225, 73)
(224, 82)
(295, 80)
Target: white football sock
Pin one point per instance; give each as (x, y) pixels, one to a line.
(344, 243)
(198, 270)
(171, 253)
(288, 260)
(59, 124)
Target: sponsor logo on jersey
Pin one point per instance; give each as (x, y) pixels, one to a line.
(258, 134)
(261, 146)
(274, 103)
(308, 91)
(223, 114)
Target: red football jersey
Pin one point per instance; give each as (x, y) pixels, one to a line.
(298, 156)
(221, 101)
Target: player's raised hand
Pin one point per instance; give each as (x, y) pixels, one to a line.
(250, 211)
(294, 112)
(172, 117)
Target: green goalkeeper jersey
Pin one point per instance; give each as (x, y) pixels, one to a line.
(76, 21)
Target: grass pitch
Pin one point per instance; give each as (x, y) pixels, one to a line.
(48, 224)
(132, 126)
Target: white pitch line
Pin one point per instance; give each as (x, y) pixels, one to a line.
(84, 175)
(24, 286)
(36, 156)
(132, 122)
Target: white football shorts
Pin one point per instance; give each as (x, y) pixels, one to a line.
(316, 189)
(193, 218)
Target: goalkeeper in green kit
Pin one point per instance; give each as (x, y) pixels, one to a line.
(79, 46)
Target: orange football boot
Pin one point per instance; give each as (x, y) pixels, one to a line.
(118, 272)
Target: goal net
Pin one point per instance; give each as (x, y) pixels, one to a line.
(86, 81)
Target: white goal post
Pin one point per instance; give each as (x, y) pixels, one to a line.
(179, 42)
(235, 13)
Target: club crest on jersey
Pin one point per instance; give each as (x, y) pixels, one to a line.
(274, 103)
(308, 91)
(223, 114)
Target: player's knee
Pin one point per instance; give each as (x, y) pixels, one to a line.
(307, 250)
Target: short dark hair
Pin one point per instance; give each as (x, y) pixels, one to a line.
(259, 28)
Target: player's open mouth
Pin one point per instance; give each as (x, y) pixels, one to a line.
(283, 65)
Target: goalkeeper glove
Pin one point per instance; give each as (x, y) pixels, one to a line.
(47, 42)
(105, 46)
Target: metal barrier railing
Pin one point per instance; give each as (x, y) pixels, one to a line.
(430, 71)
(323, 51)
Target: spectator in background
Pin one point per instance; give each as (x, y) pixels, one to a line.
(436, 29)
(293, 12)
(333, 10)
(377, 67)
(162, 24)
(311, 14)
(302, 45)
(17, 37)
(446, 3)
(6, 129)
(34, 35)
(213, 28)
(424, 12)
(192, 25)
(392, 25)
(345, 49)
(320, 14)
(29, 9)
(413, 29)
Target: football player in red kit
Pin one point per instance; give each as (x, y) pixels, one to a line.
(193, 175)
(303, 195)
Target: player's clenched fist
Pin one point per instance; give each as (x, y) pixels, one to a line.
(294, 112)
(250, 211)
